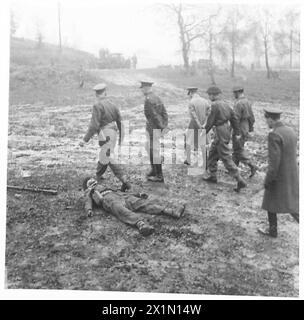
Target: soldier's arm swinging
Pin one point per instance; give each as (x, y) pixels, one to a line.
(251, 119)
(211, 119)
(234, 123)
(94, 125)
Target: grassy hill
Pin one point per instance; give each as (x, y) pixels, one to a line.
(46, 75)
(26, 52)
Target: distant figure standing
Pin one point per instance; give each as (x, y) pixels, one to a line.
(245, 117)
(106, 121)
(282, 178)
(220, 116)
(157, 120)
(134, 61)
(198, 111)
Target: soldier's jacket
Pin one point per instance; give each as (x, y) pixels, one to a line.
(104, 112)
(220, 114)
(198, 110)
(95, 198)
(155, 113)
(244, 115)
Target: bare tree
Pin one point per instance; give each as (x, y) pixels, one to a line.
(209, 35)
(59, 26)
(235, 33)
(264, 33)
(287, 39)
(189, 28)
(39, 33)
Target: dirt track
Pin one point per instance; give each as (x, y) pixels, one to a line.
(214, 249)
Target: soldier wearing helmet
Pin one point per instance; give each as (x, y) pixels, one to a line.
(220, 116)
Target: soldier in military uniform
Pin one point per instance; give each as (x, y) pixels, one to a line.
(220, 116)
(282, 177)
(245, 118)
(125, 205)
(157, 118)
(106, 121)
(198, 111)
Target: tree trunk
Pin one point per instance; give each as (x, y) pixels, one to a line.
(233, 61)
(186, 59)
(290, 49)
(211, 70)
(266, 59)
(185, 47)
(59, 26)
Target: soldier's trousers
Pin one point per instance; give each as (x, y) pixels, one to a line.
(220, 150)
(117, 169)
(106, 157)
(125, 208)
(239, 153)
(153, 146)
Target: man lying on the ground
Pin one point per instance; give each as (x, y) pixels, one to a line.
(124, 205)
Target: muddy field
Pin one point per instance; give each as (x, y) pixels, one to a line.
(213, 249)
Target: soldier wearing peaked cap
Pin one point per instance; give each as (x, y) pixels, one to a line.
(105, 122)
(220, 116)
(100, 87)
(245, 118)
(157, 120)
(282, 177)
(198, 111)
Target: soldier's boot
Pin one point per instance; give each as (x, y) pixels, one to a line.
(210, 178)
(144, 228)
(186, 162)
(253, 169)
(240, 183)
(126, 185)
(295, 216)
(159, 174)
(272, 231)
(152, 172)
(175, 213)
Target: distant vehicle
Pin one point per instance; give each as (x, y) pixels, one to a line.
(109, 60)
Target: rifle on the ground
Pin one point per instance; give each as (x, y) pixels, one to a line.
(46, 191)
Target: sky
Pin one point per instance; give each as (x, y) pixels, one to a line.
(127, 27)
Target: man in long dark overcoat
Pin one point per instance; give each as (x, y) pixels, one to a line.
(282, 178)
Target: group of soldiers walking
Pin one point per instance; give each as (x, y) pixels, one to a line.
(205, 115)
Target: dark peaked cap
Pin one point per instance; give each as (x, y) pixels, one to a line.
(272, 112)
(146, 84)
(214, 90)
(191, 89)
(100, 87)
(237, 88)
